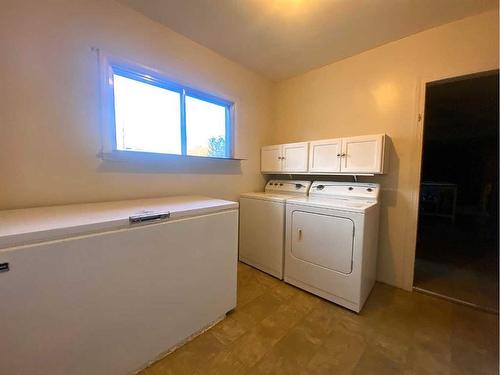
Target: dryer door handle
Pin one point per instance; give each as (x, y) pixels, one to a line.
(300, 234)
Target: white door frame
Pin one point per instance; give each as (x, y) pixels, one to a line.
(416, 160)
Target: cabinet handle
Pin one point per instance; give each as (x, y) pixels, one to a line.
(343, 155)
(338, 155)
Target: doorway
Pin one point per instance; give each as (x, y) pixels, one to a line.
(457, 236)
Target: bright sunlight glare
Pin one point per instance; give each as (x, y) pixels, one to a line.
(147, 117)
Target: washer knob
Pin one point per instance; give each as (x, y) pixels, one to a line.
(369, 189)
(351, 188)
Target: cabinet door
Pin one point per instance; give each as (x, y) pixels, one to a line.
(271, 158)
(324, 155)
(363, 154)
(295, 157)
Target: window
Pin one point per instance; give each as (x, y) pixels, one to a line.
(158, 116)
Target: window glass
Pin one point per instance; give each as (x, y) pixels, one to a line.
(147, 117)
(205, 128)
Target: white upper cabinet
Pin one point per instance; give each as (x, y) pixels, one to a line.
(295, 157)
(270, 158)
(351, 155)
(290, 157)
(363, 154)
(324, 155)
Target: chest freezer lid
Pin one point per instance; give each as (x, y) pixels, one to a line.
(32, 225)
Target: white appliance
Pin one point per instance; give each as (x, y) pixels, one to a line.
(262, 224)
(331, 241)
(106, 288)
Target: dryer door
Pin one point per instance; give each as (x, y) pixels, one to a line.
(323, 240)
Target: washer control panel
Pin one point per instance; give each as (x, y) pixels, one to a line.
(288, 186)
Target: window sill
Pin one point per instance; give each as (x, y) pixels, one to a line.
(118, 155)
(149, 162)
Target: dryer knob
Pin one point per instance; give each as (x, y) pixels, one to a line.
(369, 189)
(298, 186)
(351, 188)
(320, 187)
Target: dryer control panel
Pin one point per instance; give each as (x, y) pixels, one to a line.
(345, 190)
(288, 186)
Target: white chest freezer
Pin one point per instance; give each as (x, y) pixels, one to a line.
(84, 289)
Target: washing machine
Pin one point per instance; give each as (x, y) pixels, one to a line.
(331, 241)
(262, 224)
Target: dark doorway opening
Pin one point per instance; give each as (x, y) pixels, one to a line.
(457, 238)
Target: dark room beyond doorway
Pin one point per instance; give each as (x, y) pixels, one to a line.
(457, 240)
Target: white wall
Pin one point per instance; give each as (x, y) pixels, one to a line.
(376, 92)
(49, 105)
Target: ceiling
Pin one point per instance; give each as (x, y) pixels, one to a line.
(283, 38)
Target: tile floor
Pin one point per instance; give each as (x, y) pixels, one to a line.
(279, 329)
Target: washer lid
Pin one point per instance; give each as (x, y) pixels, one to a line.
(351, 205)
(268, 196)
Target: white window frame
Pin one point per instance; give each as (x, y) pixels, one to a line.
(109, 66)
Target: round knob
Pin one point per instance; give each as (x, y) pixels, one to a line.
(369, 189)
(351, 188)
(320, 187)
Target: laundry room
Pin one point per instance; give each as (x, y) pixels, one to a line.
(240, 187)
